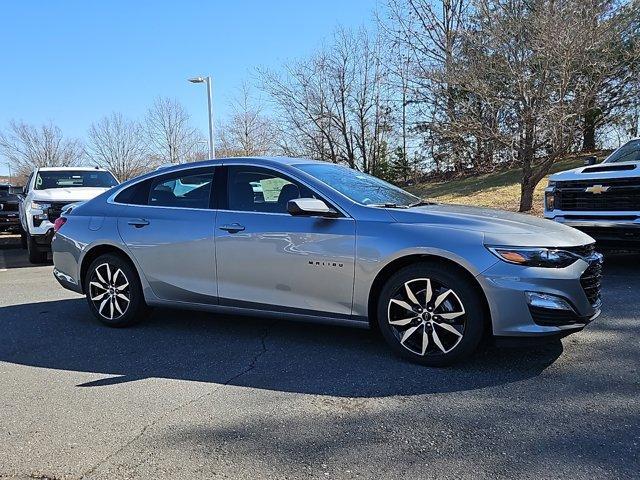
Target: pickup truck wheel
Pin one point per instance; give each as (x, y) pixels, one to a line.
(114, 292)
(23, 238)
(35, 256)
(431, 315)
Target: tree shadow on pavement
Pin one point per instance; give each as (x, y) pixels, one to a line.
(267, 354)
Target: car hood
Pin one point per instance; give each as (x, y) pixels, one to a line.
(498, 226)
(599, 171)
(70, 195)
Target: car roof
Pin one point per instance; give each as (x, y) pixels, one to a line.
(62, 169)
(258, 161)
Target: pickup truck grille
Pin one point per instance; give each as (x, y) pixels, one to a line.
(623, 195)
(55, 210)
(8, 207)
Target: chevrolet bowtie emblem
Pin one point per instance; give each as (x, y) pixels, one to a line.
(596, 189)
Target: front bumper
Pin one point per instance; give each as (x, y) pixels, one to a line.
(610, 229)
(9, 220)
(506, 285)
(43, 241)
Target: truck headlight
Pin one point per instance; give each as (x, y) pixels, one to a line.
(535, 257)
(549, 200)
(39, 207)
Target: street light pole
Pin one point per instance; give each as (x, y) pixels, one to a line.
(207, 80)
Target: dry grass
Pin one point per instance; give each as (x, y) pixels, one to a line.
(496, 190)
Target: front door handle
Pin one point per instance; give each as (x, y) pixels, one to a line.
(138, 222)
(232, 228)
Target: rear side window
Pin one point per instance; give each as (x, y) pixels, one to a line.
(185, 189)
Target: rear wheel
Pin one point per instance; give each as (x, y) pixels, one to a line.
(35, 256)
(431, 314)
(114, 292)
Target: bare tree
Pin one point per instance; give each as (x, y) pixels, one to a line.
(26, 147)
(334, 105)
(171, 137)
(118, 145)
(523, 60)
(248, 131)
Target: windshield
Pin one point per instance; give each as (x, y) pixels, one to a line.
(359, 187)
(629, 152)
(74, 178)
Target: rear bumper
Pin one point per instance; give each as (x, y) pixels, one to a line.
(67, 281)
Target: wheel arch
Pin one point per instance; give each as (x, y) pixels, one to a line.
(102, 249)
(397, 264)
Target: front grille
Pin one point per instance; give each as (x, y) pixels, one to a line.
(553, 318)
(623, 195)
(8, 207)
(55, 210)
(582, 250)
(591, 281)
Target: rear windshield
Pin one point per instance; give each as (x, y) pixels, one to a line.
(74, 178)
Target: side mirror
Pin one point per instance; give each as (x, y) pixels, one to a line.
(590, 160)
(310, 207)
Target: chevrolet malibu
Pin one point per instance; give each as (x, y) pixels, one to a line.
(303, 239)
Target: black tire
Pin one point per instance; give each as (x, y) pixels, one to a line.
(23, 238)
(35, 256)
(110, 308)
(443, 347)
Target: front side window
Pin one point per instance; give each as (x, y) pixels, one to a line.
(359, 187)
(74, 178)
(629, 152)
(255, 189)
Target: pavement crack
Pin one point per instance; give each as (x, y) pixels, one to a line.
(250, 366)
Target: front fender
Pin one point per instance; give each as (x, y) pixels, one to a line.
(374, 252)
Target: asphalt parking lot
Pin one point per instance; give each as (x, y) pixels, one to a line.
(193, 395)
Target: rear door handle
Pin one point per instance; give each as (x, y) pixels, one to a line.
(138, 222)
(232, 228)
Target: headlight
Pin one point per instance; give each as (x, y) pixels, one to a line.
(535, 257)
(40, 206)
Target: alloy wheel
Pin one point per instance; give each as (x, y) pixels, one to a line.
(427, 317)
(109, 291)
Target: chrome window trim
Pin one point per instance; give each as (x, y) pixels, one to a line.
(111, 199)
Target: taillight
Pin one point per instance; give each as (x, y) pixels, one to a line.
(57, 225)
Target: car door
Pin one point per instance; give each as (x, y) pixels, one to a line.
(269, 259)
(168, 225)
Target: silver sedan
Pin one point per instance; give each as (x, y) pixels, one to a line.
(302, 239)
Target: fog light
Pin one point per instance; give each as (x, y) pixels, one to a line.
(546, 300)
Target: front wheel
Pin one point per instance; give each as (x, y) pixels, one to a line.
(114, 292)
(431, 314)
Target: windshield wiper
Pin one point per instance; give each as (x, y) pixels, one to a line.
(386, 205)
(422, 203)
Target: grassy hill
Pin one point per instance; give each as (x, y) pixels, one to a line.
(496, 190)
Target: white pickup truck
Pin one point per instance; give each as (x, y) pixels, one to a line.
(602, 200)
(46, 192)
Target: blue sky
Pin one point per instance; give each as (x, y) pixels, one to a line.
(72, 62)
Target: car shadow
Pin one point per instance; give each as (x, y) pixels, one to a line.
(12, 255)
(268, 354)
